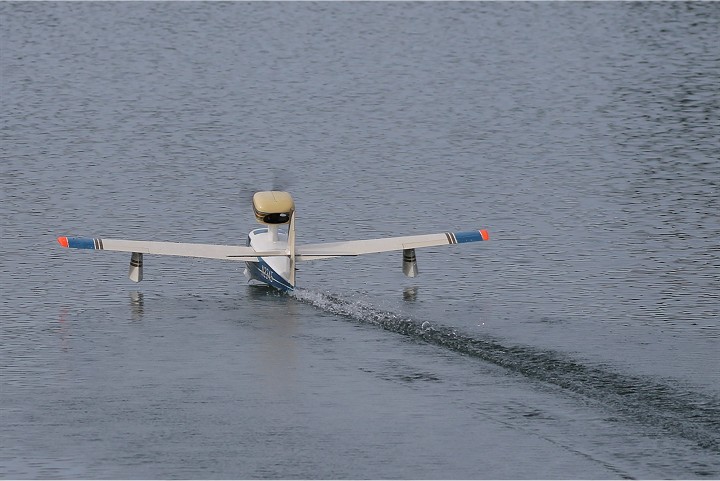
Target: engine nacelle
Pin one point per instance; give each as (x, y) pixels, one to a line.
(409, 263)
(273, 207)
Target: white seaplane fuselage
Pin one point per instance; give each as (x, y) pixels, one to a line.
(274, 271)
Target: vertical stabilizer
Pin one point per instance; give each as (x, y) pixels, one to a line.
(291, 248)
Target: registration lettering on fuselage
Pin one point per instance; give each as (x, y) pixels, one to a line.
(267, 273)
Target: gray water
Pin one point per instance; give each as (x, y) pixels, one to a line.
(581, 342)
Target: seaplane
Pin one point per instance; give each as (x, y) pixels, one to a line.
(270, 253)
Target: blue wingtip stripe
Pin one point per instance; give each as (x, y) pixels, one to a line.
(82, 243)
(472, 236)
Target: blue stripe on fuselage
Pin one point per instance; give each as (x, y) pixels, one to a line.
(261, 271)
(471, 236)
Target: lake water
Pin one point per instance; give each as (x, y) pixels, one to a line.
(583, 341)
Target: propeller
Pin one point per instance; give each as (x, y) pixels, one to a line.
(281, 180)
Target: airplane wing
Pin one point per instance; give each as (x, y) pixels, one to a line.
(210, 251)
(302, 252)
(370, 246)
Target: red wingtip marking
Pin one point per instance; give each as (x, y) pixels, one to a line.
(63, 241)
(485, 234)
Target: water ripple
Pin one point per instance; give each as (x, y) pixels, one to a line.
(649, 401)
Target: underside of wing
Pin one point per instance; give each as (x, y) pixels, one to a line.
(209, 251)
(371, 246)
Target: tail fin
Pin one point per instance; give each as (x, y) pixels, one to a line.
(291, 248)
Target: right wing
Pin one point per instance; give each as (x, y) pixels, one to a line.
(371, 246)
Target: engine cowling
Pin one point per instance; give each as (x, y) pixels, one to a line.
(273, 207)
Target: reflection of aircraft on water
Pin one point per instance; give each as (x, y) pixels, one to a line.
(270, 254)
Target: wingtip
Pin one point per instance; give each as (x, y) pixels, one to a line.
(63, 241)
(484, 234)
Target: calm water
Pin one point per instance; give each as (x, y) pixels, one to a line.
(582, 342)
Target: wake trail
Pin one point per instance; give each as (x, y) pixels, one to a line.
(688, 414)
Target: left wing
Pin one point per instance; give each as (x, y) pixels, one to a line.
(209, 251)
(370, 246)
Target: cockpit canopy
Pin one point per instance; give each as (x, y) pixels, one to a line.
(273, 207)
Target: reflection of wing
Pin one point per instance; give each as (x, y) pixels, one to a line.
(357, 247)
(211, 251)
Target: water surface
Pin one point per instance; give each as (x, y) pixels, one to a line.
(581, 342)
